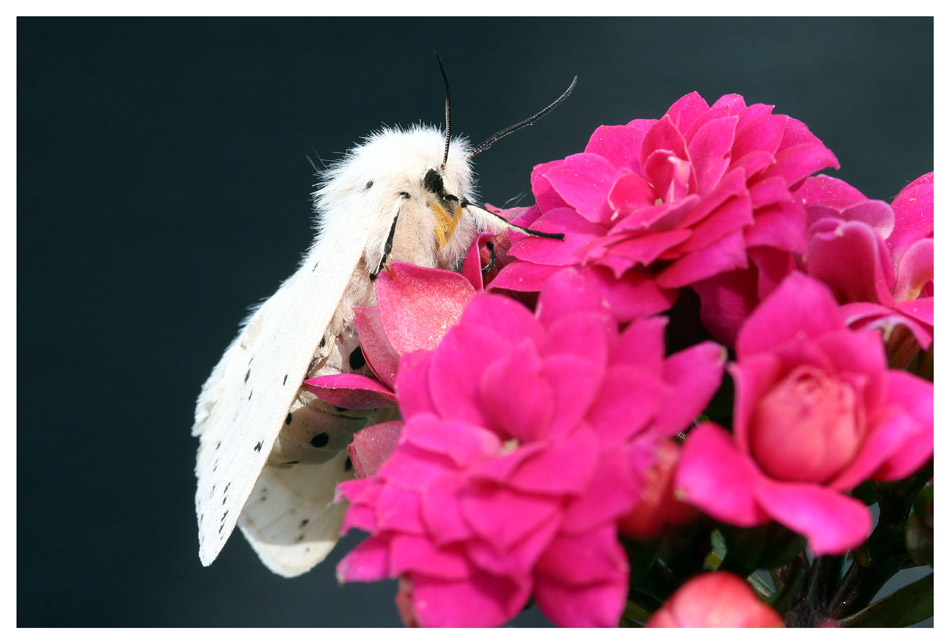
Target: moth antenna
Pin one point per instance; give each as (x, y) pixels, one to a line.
(448, 111)
(507, 224)
(531, 120)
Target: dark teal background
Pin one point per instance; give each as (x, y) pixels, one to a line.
(162, 187)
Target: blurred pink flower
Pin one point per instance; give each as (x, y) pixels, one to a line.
(658, 506)
(816, 413)
(518, 458)
(656, 205)
(715, 600)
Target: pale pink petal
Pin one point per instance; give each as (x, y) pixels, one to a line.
(372, 445)
(379, 353)
(715, 600)
(753, 377)
(418, 305)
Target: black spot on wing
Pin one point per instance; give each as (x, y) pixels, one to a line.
(285, 380)
(250, 393)
(258, 447)
(248, 374)
(369, 184)
(289, 418)
(304, 522)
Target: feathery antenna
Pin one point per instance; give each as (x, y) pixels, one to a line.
(448, 113)
(487, 143)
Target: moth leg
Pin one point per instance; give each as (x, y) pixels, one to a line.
(388, 248)
(491, 263)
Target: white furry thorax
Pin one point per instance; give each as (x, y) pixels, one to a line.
(378, 173)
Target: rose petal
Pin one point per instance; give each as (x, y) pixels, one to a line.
(716, 478)
(832, 522)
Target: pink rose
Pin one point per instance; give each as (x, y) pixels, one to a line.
(817, 412)
(655, 205)
(715, 600)
(518, 457)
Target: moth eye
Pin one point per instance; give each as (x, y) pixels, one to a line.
(320, 440)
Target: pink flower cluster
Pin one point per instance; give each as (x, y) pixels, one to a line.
(817, 412)
(656, 205)
(536, 432)
(518, 457)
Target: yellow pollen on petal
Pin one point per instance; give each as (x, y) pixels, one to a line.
(508, 446)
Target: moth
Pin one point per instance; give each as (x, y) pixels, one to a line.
(271, 454)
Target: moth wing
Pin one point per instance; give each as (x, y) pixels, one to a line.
(290, 519)
(243, 404)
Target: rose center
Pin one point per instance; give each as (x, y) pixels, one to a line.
(807, 427)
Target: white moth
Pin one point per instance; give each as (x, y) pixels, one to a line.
(270, 454)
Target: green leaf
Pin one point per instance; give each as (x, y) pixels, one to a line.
(905, 607)
(634, 615)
